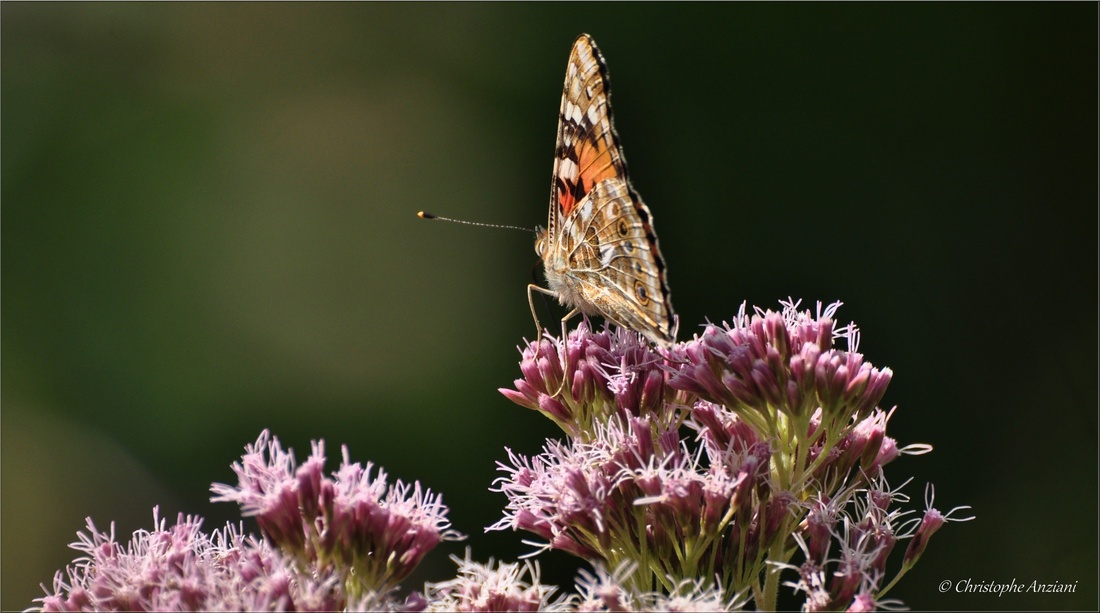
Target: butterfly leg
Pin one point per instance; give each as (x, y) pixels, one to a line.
(531, 288)
(565, 349)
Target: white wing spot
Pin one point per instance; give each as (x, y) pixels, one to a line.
(585, 212)
(606, 254)
(594, 114)
(568, 168)
(573, 112)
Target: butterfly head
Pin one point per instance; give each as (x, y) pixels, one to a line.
(541, 239)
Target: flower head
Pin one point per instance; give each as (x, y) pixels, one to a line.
(356, 522)
(585, 379)
(494, 587)
(181, 568)
(790, 445)
(780, 362)
(932, 521)
(329, 543)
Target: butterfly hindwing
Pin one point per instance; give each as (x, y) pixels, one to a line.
(608, 255)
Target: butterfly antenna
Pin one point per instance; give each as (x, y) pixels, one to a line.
(427, 215)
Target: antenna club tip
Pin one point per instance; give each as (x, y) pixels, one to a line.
(425, 215)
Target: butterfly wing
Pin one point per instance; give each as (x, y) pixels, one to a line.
(600, 250)
(588, 148)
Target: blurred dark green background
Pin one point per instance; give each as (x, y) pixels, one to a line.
(209, 229)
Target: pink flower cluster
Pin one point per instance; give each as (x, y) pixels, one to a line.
(783, 420)
(329, 543)
(354, 523)
(181, 568)
(702, 477)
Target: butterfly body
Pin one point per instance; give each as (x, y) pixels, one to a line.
(599, 250)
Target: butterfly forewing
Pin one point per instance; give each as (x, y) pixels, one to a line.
(599, 250)
(588, 150)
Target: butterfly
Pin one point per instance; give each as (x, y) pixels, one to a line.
(599, 250)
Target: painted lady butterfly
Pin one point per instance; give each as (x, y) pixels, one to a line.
(599, 249)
